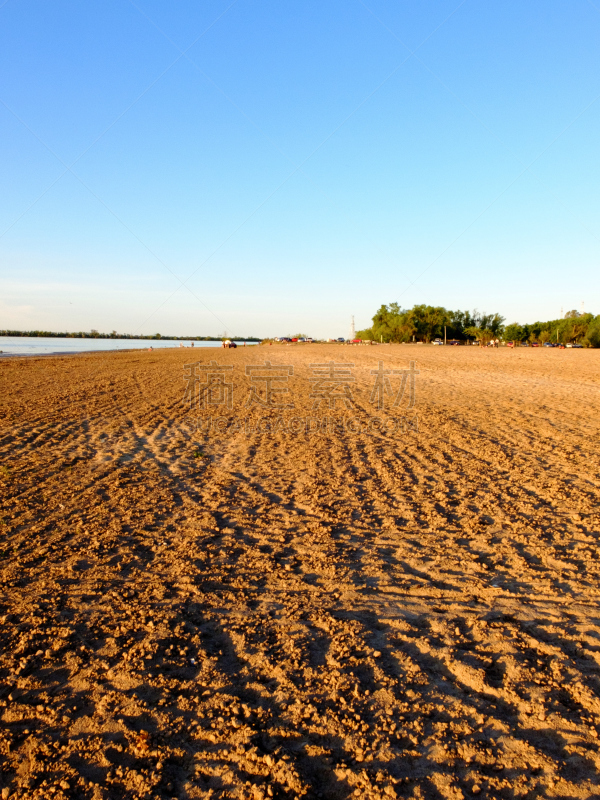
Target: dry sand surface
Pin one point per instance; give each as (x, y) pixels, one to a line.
(371, 611)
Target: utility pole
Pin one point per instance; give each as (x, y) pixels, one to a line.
(444, 334)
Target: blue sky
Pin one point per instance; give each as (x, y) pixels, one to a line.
(294, 163)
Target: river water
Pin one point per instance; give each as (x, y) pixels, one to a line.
(50, 345)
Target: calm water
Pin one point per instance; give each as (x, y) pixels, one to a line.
(43, 346)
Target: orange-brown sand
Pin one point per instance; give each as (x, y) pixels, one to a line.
(401, 608)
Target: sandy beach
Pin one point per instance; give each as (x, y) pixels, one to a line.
(210, 596)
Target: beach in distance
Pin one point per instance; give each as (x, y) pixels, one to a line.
(300, 572)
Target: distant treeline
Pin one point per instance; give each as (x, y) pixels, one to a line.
(573, 327)
(114, 335)
(424, 323)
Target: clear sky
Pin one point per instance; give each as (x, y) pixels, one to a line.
(273, 167)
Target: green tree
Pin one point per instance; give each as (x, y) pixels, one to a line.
(459, 322)
(482, 335)
(392, 324)
(514, 332)
(429, 321)
(578, 326)
(491, 322)
(365, 335)
(592, 336)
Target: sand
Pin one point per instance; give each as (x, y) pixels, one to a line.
(399, 608)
